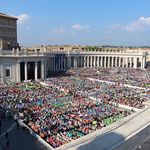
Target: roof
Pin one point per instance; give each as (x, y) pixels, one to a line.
(7, 16)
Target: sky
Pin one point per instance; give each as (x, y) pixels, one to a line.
(83, 22)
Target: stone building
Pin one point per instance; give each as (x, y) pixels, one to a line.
(8, 32)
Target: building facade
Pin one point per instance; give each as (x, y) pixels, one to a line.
(19, 65)
(8, 31)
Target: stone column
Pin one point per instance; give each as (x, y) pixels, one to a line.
(135, 62)
(80, 62)
(101, 61)
(69, 62)
(76, 60)
(2, 74)
(45, 71)
(35, 70)
(112, 61)
(56, 63)
(54, 67)
(59, 66)
(98, 61)
(105, 61)
(88, 61)
(18, 72)
(94, 61)
(42, 69)
(108, 62)
(126, 62)
(1, 45)
(116, 61)
(0, 51)
(122, 61)
(130, 62)
(119, 64)
(63, 63)
(84, 61)
(91, 61)
(143, 62)
(25, 70)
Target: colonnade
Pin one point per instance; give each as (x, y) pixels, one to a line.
(60, 63)
(98, 61)
(86, 61)
(109, 61)
(36, 70)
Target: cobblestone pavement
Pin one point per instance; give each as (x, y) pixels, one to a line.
(19, 139)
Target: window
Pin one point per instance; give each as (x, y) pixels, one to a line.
(8, 72)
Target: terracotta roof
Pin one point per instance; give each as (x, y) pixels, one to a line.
(7, 16)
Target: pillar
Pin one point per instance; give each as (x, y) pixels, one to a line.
(59, 66)
(69, 62)
(101, 61)
(42, 69)
(2, 74)
(59, 63)
(126, 62)
(88, 61)
(54, 64)
(45, 71)
(35, 70)
(25, 71)
(91, 61)
(98, 61)
(18, 72)
(130, 62)
(116, 61)
(94, 61)
(84, 61)
(119, 63)
(143, 62)
(64, 63)
(105, 61)
(123, 62)
(108, 62)
(135, 62)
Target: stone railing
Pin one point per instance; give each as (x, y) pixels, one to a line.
(20, 53)
(24, 52)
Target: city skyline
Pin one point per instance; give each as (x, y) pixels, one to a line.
(84, 22)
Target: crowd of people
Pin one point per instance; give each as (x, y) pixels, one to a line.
(135, 77)
(64, 108)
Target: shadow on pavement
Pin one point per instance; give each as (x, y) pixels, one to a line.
(102, 142)
(140, 141)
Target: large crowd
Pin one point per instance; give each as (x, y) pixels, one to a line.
(64, 108)
(135, 77)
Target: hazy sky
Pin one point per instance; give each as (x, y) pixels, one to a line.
(87, 22)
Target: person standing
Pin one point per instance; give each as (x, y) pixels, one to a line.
(6, 135)
(7, 144)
